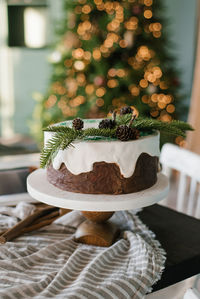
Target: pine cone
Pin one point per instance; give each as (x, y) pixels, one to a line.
(107, 124)
(125, 133)
(77, 124)
(135, 134)
(126, 110)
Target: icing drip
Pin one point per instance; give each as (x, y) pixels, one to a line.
(84, 154)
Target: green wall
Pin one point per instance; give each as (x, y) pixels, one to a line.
(182, 28)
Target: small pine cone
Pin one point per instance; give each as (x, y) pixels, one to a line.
(126, 110)
(135, 134)
(77, 124)
(107, 124)
(125, 133)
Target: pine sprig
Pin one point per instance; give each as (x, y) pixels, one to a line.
(63, 136)
(99, 132)
(59, 141)
(176, 128)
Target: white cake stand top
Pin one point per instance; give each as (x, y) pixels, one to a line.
(40, 189)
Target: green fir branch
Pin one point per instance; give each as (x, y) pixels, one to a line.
(99, 132)
(123, 119)
(58, 141)
(175, 128)
(63, 136)
(182, 125)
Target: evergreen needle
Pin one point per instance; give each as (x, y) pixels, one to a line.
(63, 136)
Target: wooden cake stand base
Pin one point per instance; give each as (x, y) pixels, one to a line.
(97, 208)
(97, 233)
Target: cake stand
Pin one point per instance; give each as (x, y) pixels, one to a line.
(97, 208)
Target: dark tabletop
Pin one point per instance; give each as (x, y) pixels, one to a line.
(179, 235)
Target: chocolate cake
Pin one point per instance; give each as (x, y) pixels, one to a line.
(104, 165)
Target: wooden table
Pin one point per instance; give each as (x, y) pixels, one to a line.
(179, 235)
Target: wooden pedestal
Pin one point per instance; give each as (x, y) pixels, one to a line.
(96, 230)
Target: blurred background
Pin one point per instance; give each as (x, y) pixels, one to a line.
(62, 59)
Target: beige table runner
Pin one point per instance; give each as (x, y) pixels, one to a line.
(48, 263)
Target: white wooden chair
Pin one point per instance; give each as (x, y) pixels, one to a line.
(188, 165)
(188, 194)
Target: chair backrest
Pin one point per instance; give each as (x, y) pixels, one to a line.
(188, 164)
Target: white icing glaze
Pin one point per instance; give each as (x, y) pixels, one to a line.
(84, 154)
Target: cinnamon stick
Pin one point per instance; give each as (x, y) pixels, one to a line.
(44, 221)
(16, 230)
(59, 212)
(38, 225)
(39, 222)
(48, 216)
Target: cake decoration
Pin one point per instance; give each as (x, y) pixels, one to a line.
(65, 136)
(116, 155)
(108, 123)
(126, 110)
(125, 133)
(78, 124)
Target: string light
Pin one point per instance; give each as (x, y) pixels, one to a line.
(77, 101)
(145, 99)
(86, 9)
(165, 116)
(121, 73)
(123, 43)
(154, 113)
(112, 83)
(87, 55)
(143, 53)
(58, 88)
(81, 79)
(180, 141)
(100, 92)
(112, 72)
(143, 83)
(79, 65)
(108, 43)
(78, 53)
(99, 102)
(100, 6)
(154, 97)
(157, 34)
(103, 49)
(148, 14)
(89, 89)
(170, 108)
(131, 24)
(96, 54)
(134, 90)
(98, 2)
(163, 85)
(148, 2)
(72, 86)
(52, 99)
(161, 105)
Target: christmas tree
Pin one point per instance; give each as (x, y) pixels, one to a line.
(110, 53)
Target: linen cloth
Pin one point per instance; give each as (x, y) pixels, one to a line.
(48, 263)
